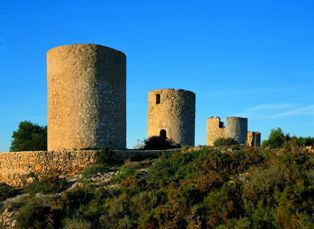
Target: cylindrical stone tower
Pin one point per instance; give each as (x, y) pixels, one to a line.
(86, 97)
(215, 130)
(237, 129)
(253, 138)
(171, 114)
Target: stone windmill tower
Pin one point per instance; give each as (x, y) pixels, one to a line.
(86, 97)
(171, 114)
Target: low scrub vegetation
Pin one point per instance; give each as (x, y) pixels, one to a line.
(278, 139)
(49, 184)
(107, 156)
(105, 159)
(157, 142)
(224, 142)
(209, 188)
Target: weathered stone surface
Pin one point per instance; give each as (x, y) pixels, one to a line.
(86, 97)
(215, 130)
(174, 112)
(16, 167)
(236, 128)
(253, 139)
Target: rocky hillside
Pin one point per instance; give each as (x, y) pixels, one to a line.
(234, 187)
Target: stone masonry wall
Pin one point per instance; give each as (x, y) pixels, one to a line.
(86, 97)
(16, 166)
(174, 112)
(236, 128)
(215, 130)
(253, 139)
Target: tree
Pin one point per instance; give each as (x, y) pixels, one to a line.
(29, 137)
(276, 139)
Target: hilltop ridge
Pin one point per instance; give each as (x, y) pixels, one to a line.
(205, 187)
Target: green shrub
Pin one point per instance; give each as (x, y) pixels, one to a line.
(29, 137)
(105, 159)
(120, 213)
(219, 205)
(233, 223)
(157, 142)
(294, 200)
(276, 139)
(108, 157)
(305, 141)
(39, 213)
(208, 188)
(302, 141)
(225, 142)
(77, 197)
(94, 169)
(76, 224)
(123, 173)
(51, 184)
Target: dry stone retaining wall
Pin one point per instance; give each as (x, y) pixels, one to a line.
(172, 111)
(15, 167)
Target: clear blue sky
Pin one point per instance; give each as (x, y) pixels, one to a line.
(253, 58)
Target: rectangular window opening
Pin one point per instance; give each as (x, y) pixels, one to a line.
(157, 98)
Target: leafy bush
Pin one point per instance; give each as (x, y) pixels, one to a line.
(208, 188)
(105, 158)
(94, 169)
(108, 157)
(77, 197)
(76, 224)
(83, 203)
(51, 184)
(225, 142)
(276, 139)
(124, 172)
(39, 213)
(29, 137)
(157, 142)
(302, 141)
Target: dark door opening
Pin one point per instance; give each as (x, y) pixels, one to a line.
(163, 134)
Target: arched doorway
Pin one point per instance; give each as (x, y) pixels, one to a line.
(163, 134)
